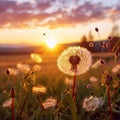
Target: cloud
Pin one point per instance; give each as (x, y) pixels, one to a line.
(53, 13)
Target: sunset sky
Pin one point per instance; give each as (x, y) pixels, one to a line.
(33, 21)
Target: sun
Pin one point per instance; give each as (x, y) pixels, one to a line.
(51, 42)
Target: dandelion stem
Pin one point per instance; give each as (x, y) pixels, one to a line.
(98, 35)
(21, 110)
(109, 101)
(73, 89)
(12, 104)
(115, 58)
(12, 107)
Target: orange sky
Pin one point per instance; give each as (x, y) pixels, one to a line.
(25, 22)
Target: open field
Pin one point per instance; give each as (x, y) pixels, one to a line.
(54, 80)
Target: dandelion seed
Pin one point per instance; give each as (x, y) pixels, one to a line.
(69, 82)
(50, 102)
(74, 61)
(11, 71)
(23, 67)
(7, 103)
(92, 103)
(36, 57)
(39, 89)
(36, 67)
(93, 79)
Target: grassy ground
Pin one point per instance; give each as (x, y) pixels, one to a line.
(51, 78)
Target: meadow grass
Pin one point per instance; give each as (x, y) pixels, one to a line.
(50, 77)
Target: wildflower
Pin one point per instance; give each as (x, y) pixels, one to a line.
(50, 102)
(11, 71)
(69, 82)
(7, 103)
(93, 79)
(98, 63)
(23, 67)
(36, 57)
(116, 68)
(39, 89)
(36, 67)
(92, 103)
(74, 61)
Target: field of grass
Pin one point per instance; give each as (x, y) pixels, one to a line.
(53, 80)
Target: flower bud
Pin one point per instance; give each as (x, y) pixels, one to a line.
(108, 79)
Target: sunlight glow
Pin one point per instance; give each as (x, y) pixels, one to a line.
(51, 42)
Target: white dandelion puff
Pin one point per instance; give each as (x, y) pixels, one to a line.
(7, 103)
(36, 57)
(23, 67)
(92, 103)
(39, 89)
(75, 61)
(12, 71)
(116, 68)
(93, 79)
(36, 67)
(50, 102)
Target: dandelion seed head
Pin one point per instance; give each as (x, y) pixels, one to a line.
(36, 67)
(50, 102)
(93, 79)
(74, 60)
(7, 103)
(36, 57)
(92, 103)
(12, 71)
(39, 89)
(116, 68)
(23, 67)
